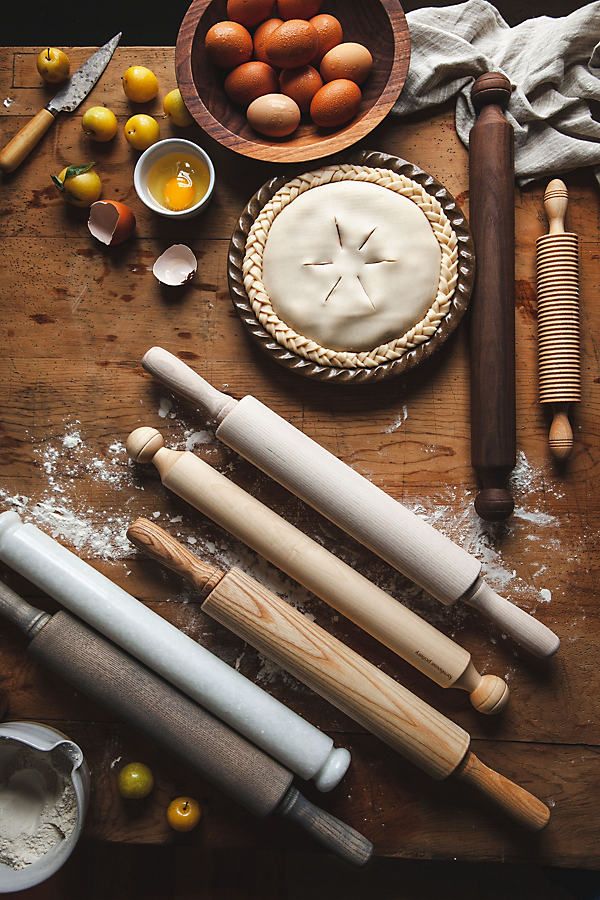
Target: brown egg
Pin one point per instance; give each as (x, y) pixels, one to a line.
(336, 103)
(293, 44)
(330, 34)
(228, 44)
(260, 38)
(249, 12)
(274, 115)
(301, 85)
(298, 9)
(349, 60)
(249, 81)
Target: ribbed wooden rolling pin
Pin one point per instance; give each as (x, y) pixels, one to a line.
(492, 310)
(362, 691)
(180, 660)
(355, 504)
(139, 697)
(559, 350)
(303, 559)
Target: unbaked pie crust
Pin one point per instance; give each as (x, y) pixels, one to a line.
(351, 266)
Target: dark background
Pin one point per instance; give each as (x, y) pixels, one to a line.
(66, 23)
(115, 872)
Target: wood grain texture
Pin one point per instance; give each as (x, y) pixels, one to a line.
(75, 322)
(492, 320)
(379, 24)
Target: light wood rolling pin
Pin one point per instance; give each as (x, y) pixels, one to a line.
(100, 670)
(322, 573)
(349, 500)
(424, 736)
(175, 656)
(559, 350)
(492, 309)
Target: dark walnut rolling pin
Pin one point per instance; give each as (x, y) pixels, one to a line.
(492, 312)
(391, 712)
(139, 697)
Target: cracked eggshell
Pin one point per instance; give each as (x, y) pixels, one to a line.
(176, 266)
(111, 222)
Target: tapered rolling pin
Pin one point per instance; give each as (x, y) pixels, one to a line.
(362, 691)
(139, 697)
(303, 559)
(176, 657)
(492, 310)
(355, 504)
(558, 319)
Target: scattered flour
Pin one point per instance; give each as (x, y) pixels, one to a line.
(194, 438)
(399, 422)
(165, 408)
(8, 102)
(38, 806)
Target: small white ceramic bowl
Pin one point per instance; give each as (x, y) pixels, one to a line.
(155, 152)
(47, 741)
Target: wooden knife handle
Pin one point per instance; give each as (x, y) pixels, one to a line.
(492, 325)
(159, 545)
(21, 145)
(518, 803)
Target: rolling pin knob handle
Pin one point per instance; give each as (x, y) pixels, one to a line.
(560, 438)
(333, 769)
(490, 696)
(494, 504)
(492, 87)
(143, 444)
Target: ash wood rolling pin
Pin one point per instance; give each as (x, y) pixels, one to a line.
(362, 691)
(176, 657)
(139, 697)
(303, 559)
(492, 309)
(350, 501)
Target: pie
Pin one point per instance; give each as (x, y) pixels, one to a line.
(351, 266)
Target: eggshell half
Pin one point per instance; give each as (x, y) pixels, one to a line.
(111, 222)
(176, 266)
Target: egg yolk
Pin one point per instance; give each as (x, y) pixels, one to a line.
(179, 191)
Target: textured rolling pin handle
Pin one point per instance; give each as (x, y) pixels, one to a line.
(163, 548)
(556, 201)
(21, 145)
(560, 436)
(523, 628)
(333, 834)
(519, 804)
(15, 609)
(182, 380)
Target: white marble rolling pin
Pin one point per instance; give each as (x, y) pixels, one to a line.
(410, 726)
(187, 665)
(331, 579)
(353, 503)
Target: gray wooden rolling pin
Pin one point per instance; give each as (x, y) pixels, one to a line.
(352, 684)
(186, 664)
(139, 697)
(350, 501)
(328, 577)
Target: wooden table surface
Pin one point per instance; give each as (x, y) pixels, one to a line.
(75, 320)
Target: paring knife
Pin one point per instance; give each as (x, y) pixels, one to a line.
(68, 99)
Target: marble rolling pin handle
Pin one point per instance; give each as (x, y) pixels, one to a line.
(182, 380)
(313, 566)
(492, 314)
(99, 669)
(175, 656)
(365, 693)
(355, 504)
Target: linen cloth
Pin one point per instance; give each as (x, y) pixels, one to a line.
(553, 64)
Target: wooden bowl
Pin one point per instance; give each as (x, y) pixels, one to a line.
(302, 366)
(379, 24)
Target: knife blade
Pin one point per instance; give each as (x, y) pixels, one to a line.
(83, 80)
(66, 100)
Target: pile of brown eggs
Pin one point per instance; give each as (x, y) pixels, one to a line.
(295, 63)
